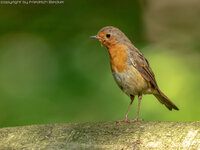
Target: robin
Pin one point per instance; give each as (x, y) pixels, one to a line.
(130, 69)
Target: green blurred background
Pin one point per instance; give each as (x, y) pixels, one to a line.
(52, 72)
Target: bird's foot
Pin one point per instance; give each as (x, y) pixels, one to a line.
(126, 120)
(135, 120)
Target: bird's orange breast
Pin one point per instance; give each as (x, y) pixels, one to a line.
(118, 58)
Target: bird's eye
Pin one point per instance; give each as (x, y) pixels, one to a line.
(108, 35)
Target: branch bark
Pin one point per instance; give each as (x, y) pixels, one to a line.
(103, 135)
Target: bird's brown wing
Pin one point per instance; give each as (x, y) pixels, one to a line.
(142, 65)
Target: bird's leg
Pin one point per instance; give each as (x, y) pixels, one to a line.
(137, 117)
(132, 98)
(126, 117)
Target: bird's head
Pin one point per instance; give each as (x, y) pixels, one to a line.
(110, 36)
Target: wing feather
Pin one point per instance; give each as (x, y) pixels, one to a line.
(142, 65)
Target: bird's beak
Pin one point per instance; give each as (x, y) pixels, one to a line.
(95, 37)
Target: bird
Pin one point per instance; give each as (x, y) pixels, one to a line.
(130, 69)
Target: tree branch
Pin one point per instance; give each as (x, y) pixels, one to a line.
(104, 135)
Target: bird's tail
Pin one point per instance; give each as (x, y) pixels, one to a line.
(165, 100)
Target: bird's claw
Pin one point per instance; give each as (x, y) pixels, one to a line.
(126, 120)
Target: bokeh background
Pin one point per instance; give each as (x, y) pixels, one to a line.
(52, 72)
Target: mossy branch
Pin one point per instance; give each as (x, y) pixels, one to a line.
(103, 135)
